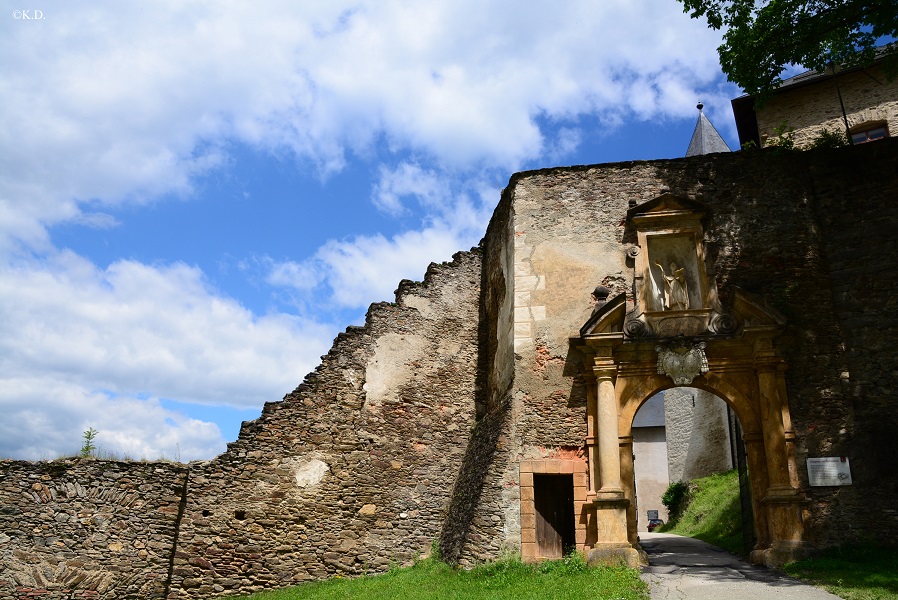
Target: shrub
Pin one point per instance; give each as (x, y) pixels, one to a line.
(830, 139)
(674, 499)
(88, 447)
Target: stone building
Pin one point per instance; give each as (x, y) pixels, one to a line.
(491, 406)
(859, 100)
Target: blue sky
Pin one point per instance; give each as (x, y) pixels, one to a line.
(196, 197)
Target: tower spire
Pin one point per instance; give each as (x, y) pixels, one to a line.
(705, 139)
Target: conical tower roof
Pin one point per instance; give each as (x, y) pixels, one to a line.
(705, 139)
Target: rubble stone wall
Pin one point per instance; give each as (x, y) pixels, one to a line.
(88, 529)
(353, 471)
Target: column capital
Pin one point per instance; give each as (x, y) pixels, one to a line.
(765, 362)
(604, 368)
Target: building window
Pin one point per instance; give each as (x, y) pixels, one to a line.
(869, 132)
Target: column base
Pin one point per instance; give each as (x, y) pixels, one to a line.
(616, 555)
(780, 553)
(607, 498)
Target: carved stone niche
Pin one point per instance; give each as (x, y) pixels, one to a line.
(674, 295)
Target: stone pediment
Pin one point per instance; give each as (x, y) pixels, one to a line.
(608, 318)
(667, 205)
(753, 311)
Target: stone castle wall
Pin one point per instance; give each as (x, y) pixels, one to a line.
(88, 529)
(812, 232)
(413, 427)
(353, 471)
(698, 435)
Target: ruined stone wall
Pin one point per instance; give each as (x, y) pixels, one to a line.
(868, 96)
(353, 471)
(483, 503)
(88, 529)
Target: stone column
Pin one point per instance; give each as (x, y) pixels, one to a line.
(783, 501)
(609, 501)
(609, 456)
(592, 449)
(771, 406)
(787, 428)
(629, 484)
(757, 479)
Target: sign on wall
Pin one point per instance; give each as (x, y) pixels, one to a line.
(829, 470)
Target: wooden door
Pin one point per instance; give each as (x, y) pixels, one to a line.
(553, 499)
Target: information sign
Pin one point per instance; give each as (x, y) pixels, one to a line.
(829, 470)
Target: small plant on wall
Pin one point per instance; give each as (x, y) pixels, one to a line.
(88, 445)
(830, 139)
(783, 137)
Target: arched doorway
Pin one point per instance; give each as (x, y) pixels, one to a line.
(679, 435)
(742, 365)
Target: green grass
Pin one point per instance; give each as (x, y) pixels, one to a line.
(713, 512)
(567, 579)
(854, 573)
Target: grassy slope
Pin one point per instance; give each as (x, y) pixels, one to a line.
(568, 579)
(713, 513)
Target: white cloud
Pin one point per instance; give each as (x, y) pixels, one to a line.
(117, 102)
(133, 328)
(357, 271)
(407, 180)
(45, 418)
(365, 269)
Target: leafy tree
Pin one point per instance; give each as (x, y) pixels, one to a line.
(764, 36)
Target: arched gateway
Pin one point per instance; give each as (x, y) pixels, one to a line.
(673, 332)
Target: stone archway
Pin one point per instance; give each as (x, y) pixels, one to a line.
(674, 331)
(744, 368)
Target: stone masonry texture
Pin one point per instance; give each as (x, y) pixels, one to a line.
(867, 96)
(88, 529)
(410, 433)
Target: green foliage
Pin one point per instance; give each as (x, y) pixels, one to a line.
(830, 139)
(674, 498)
(764, 36)
(783, 137)
(567, 579)
(88, 447)
(853, 572)
(712, 512)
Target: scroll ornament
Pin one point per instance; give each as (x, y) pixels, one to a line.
(682, 363)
